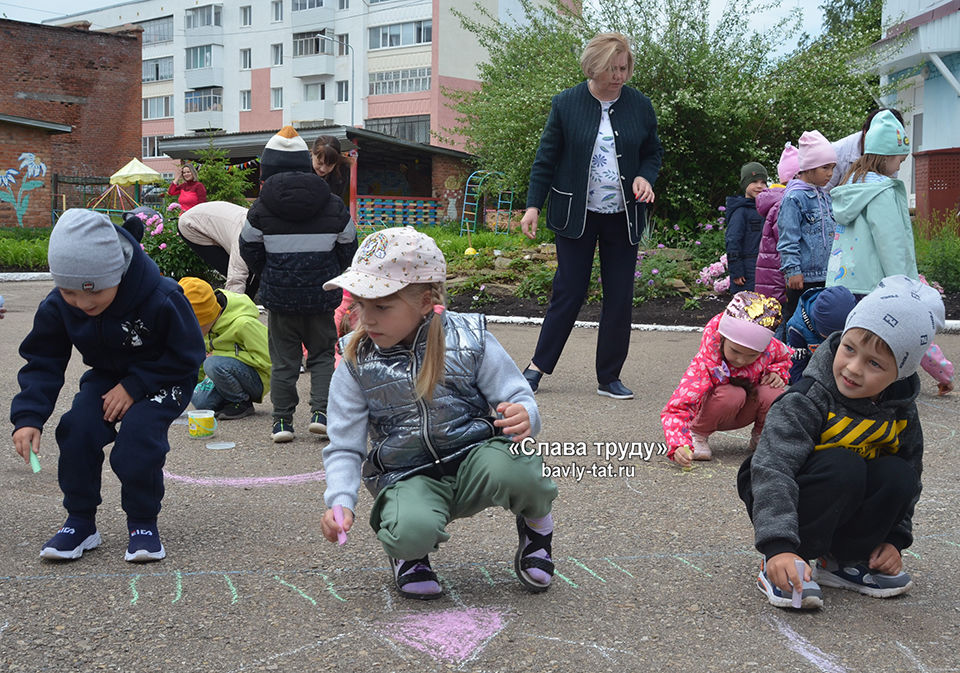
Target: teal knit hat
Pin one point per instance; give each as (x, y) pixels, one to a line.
(886, 136)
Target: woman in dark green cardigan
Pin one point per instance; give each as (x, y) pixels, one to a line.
(598, 160)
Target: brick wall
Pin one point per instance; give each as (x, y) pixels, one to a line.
(88, 80)
(449, 178)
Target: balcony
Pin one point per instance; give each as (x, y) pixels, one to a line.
(203, 109)
(201, 35)
(309, 111)
(318, 17)
(200, 121)
(314, 65)
(202, 78)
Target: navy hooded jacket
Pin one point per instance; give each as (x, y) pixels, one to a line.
(147, 338)
(744, 230)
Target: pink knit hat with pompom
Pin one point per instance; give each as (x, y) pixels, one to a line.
(789, 163)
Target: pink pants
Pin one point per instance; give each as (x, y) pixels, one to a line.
(728, 407)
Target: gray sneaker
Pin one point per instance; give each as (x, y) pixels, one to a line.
(858, 577)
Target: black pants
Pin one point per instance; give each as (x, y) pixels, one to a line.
(618, 262)
(793, 300)
(847, 505)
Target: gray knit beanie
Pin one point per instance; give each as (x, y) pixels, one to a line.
(85, 252)
(906, 314)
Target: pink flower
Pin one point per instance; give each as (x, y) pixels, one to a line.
(661, 245)
(163, 246)
(696, 242)
(708, 227)
(722, 285)
(142, 216)
(676, 227)
(655, 272)
(722, 209)
(154, 220)
(173, 206)
(141, 247)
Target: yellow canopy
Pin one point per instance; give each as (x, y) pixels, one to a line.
(135, 172)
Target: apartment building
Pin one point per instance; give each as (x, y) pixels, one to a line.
(256, 65)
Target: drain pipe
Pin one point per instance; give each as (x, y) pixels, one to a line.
(945, 71)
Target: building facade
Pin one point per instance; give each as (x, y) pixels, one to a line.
(926, 62)
(255, 65)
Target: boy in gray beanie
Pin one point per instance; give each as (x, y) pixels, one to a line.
(136, 331)
(836, 475)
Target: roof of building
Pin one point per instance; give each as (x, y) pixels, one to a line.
(53, 127)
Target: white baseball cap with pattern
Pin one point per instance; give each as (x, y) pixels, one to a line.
(389, 260)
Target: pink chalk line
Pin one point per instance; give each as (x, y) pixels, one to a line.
(454, 635)
(247, 482)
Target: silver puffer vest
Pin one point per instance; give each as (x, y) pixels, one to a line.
(410, 436)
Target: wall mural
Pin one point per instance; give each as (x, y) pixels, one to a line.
(31, 167)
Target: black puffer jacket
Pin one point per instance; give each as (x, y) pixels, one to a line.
(298, 236)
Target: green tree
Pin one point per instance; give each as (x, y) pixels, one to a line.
(721, 95)
(222, 181)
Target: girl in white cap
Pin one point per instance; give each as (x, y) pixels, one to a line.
(423, 386)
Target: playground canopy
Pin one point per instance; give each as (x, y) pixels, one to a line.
(135, 172)
(115, 199)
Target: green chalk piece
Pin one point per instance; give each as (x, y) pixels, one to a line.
(34, 463)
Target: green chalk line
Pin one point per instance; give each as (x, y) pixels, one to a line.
(565, 579)
(486, 574)
(133, 590)
(587, 569)
(179, 587)
(913, 554)
(330, 588)
(233, 591)
(297, 589)
(627, 572)
(683, 560)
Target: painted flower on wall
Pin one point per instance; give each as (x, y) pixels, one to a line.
(32, 167)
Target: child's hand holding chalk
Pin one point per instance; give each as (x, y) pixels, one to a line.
(797, 598)
(336, 522)
(26, 440)
(683, 456)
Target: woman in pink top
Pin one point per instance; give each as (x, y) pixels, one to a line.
(188, 190)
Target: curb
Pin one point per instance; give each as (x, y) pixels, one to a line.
(950, 326)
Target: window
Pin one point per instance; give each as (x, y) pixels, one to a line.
(246, 15)
(306, 4)
(415, 128)
(314, 42)
(245, 103)
(202, 16)
(157, 30)
(401, 34)
(199, 57)
(312, 92)
(158, 107)
(203, 100)
(276, 54)
(343, 91)
(276, 98)
(276, 10)
(399, 81)
(157, 69)
(343, 44)
(246, 59)
(344, 4)
(151, 147)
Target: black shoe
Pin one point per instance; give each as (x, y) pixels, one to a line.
(234, 410)
(533, 378)
(616, 390)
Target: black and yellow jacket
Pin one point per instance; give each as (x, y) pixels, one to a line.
(812, 416)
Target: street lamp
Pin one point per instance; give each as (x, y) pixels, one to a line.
(353, 89)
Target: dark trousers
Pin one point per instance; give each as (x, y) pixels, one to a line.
(848, 505)
(139, 447)
(285, 333)
(618, 263)
(793, 300)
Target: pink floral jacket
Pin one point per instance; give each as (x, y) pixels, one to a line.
(708, 370)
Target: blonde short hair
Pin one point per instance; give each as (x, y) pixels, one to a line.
(600, 51)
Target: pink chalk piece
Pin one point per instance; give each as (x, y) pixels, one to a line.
(453, 635)
(798, 590)
(338, 517)
(247, 482)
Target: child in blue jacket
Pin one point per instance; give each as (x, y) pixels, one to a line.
(137, 333)
(744, 228)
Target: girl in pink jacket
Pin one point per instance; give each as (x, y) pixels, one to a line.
(736, 375)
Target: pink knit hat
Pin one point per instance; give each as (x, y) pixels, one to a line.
(815, 151)
(789, 163)
(750, 320)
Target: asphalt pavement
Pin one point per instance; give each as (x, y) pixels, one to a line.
(656, 566)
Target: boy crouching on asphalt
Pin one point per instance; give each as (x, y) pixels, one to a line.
(836, 475)
(137, 333)
(236, 372)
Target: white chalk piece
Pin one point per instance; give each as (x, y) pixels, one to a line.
(798, 590)
(220, 446)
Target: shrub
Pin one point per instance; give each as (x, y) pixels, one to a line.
(536, 284)
(171, 253)
(938, 250)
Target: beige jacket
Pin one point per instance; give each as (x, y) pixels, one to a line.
(219, 223)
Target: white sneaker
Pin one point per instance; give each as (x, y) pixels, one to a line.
(701, 449)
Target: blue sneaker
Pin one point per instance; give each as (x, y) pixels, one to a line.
(858, 577)
(145, 545)
(76, 536)
(318, 423)
(810, 599)
(282, 430)
(615, 389)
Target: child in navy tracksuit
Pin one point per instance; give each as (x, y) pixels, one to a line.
(137, 333)
(744, 228)
(821, 312)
